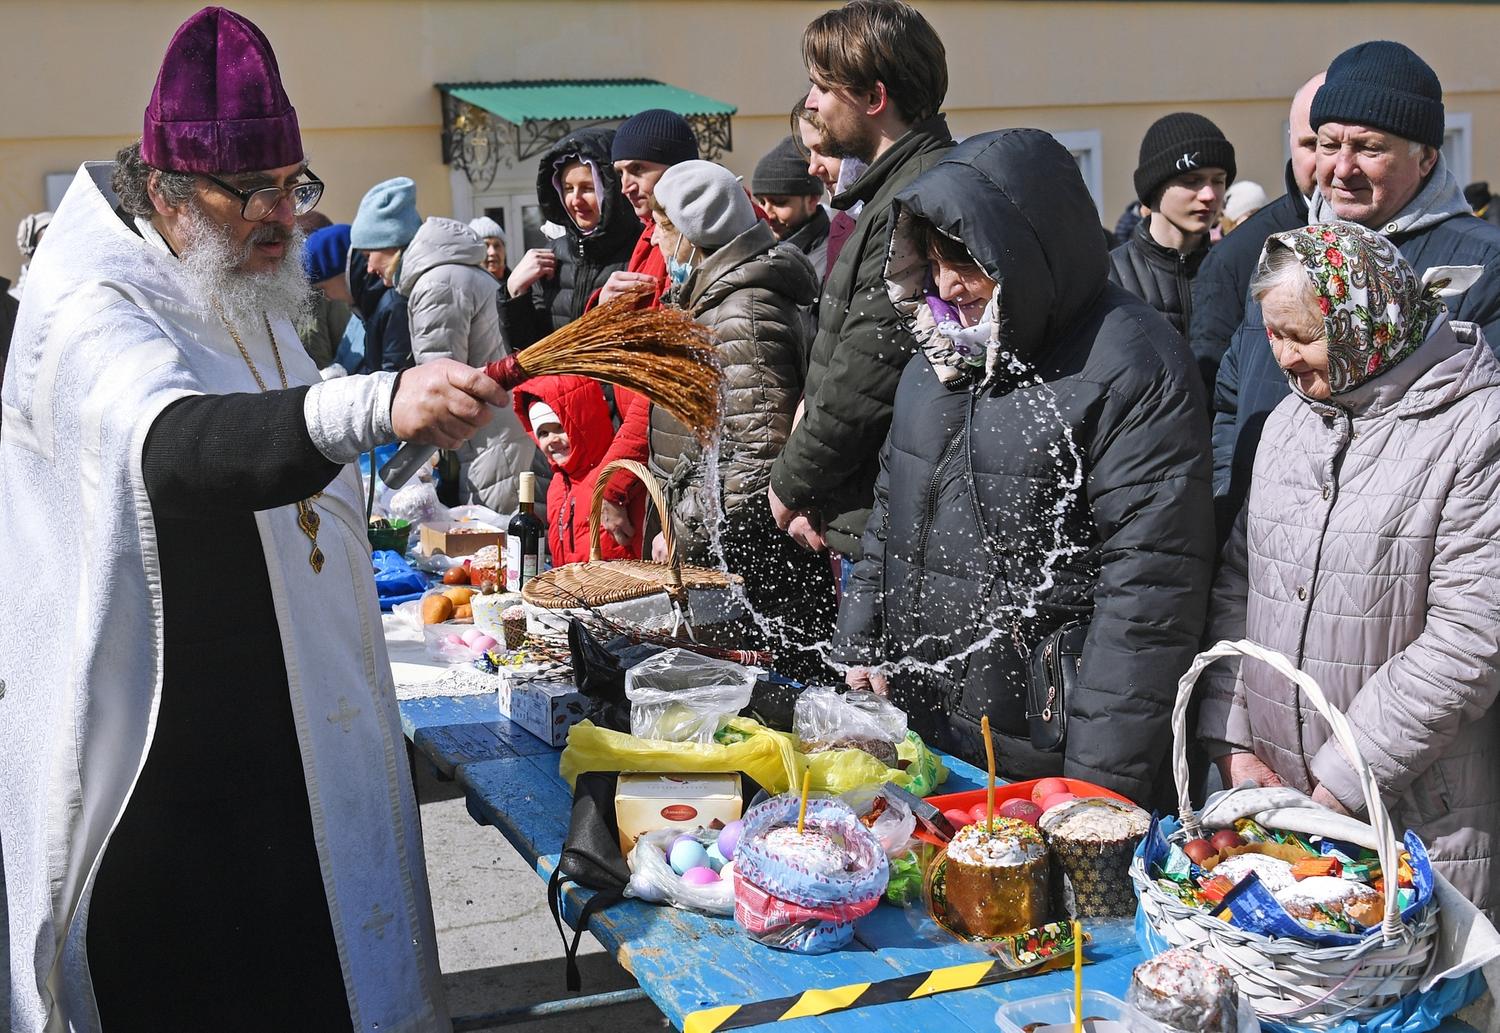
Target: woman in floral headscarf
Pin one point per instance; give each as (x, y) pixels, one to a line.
(1369, 552)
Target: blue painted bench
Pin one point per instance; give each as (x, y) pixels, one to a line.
(686, 962)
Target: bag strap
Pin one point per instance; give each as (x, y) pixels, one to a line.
(598, 902)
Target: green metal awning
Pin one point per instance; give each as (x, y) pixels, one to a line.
(485, 123)
(586, 100)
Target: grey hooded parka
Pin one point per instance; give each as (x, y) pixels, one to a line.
(451, 305)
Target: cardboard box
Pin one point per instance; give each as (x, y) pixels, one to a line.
(546, 709)
(647, 802)
(459, 538)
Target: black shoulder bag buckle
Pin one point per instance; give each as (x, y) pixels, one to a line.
(1055, 663)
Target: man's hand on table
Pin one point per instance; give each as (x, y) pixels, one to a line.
(443, 403)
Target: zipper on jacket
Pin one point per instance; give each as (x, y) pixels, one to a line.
(950, 452)
(1184, 292)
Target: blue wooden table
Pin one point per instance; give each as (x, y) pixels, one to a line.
(686, 962)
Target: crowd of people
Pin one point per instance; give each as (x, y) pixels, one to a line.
(978, 453)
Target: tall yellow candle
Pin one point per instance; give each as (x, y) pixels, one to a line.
(1077, 977)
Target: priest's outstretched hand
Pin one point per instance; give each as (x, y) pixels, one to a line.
(443, 403)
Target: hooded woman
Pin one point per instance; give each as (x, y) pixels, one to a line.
(726, 269)
(568, 419)
(577, 189)
(1369, 551)
(1047, 466)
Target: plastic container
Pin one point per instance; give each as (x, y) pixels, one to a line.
(1053, 1013)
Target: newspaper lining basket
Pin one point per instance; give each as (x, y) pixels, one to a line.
(600, 582)
(1287, 980)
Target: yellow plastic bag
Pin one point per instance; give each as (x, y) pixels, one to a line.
(769, 757)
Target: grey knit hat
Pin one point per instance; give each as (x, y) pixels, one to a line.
(783, 173)
(706, 202)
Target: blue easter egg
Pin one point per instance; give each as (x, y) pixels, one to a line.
(687, 853)
(716, 858)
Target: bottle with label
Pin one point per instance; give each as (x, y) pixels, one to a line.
(525, 539)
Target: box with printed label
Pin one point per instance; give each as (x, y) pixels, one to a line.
(545, 708)
(647, 802)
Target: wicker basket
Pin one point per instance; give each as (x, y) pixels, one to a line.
(1287, 980)
(600, 582)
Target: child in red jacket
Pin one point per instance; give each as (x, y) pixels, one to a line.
(568, 419)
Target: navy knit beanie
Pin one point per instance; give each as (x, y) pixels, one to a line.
(783, 173)
(655, 135)
(1178, 143)
(1383, 85)
(326, 252)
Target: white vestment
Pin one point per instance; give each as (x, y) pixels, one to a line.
(106, 338)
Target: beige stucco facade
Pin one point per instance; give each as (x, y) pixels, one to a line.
(75, 77)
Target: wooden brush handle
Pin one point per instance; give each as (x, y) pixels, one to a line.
(674, 564)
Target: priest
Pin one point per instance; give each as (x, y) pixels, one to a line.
(205, 809)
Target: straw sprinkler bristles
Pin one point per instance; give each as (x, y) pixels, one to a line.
(658, 352)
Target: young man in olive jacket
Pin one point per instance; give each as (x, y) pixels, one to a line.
(879, 74)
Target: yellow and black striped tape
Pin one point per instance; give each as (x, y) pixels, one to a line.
(857, 995)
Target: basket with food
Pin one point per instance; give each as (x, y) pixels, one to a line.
(1319, 918)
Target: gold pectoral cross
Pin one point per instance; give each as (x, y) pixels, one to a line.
(308, 520)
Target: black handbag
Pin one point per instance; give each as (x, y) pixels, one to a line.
(1055, 663)
(590, 857)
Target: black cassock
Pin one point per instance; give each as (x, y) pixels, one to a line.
(208, 911)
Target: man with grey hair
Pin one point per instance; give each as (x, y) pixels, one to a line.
(203, 806)
(1379, 122)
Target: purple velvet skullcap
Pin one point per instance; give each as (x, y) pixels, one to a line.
(218, 105)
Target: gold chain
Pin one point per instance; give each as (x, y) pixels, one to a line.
(307, 517)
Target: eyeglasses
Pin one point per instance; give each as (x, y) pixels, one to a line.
(258, 204)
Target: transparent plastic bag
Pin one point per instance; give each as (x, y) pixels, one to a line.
(417, 502)
(829, 720)
(893, 826)
(679, 696)
(653, 880)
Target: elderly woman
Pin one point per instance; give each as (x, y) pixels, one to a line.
(1369, 552)
(1043, 499)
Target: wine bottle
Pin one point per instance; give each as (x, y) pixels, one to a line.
(448, 479)
(525, 539)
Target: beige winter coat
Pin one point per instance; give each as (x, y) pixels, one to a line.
(1371, 558)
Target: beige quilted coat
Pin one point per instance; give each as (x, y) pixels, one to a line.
(1369, 554)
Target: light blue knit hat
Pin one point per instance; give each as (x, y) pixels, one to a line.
(387, 216)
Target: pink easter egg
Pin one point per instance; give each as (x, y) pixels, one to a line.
(700, 876)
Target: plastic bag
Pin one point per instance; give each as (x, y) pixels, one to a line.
(780, 903)
(826, 719)
(653, 880)
(892, 827)
(417, 502)
(395, 580)
(680, 696)
(769, 757)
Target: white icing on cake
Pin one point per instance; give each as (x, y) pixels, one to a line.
(1274, 873)
(811, 850)
(1005, 847)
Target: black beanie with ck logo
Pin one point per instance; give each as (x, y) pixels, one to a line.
(1178, 143)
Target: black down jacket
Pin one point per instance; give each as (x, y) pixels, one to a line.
(583, 262)
(1160, 276)
(1073, 486)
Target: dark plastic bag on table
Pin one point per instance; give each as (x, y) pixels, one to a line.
(599, 673)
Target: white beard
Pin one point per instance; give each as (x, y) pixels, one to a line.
(211, 262)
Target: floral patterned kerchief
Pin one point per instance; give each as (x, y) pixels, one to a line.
(1377, 311)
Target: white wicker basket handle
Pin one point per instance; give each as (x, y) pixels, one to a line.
(1387, 845)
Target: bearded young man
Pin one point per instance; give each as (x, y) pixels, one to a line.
(878, 76)
(205, 811)
(1379, 122)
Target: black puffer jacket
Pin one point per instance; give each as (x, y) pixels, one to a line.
(1160, 276)
(583, 262)
(1076, 485)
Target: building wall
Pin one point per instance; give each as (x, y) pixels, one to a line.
(75, 76)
